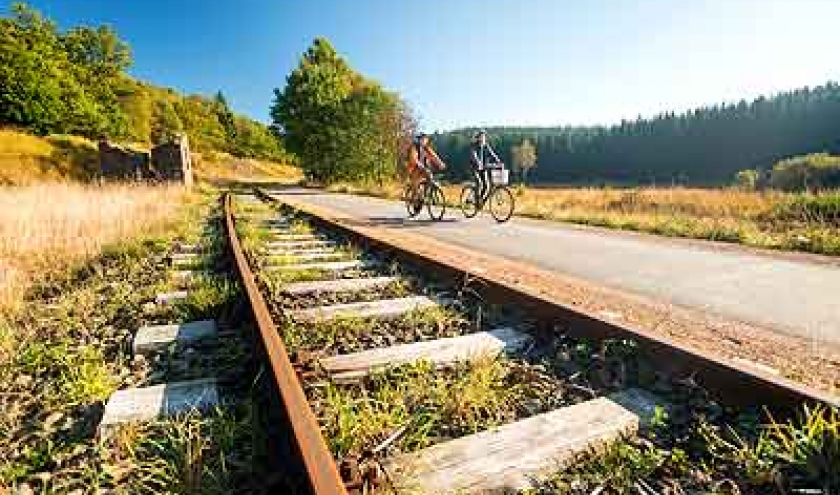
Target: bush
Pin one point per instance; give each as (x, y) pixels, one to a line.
(750, 179)
(814, 172)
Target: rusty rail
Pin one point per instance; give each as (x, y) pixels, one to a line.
(321, 470)
(727, 381)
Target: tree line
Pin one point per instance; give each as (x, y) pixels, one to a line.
(75, 82)
(706, 146)
(345, 127)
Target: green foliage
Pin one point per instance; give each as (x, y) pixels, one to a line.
(254, 140)
(40, 88)
(801, 453)
(166, 123)
(341, 126)
(75, 83)
(813, 172)
(225, 115)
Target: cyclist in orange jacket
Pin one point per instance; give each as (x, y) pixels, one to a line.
(422, 162)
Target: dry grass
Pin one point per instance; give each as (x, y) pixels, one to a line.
(215, 166)
(709, 203)
(49, 227)
(27, 159)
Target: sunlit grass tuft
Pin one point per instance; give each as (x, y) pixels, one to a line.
(468, 398)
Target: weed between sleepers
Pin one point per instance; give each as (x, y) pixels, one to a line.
(274, 291)
(696, 445)
(219, 453)
(433, 404)
(347, 334)
(737, 454)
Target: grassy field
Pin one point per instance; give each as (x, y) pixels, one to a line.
(46, 229)
(776, 220)
(216, 166)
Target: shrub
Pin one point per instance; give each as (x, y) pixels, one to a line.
(750, 179)
(814, 172)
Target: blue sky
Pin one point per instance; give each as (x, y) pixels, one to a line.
(483, 62)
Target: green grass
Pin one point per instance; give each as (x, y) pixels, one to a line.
(192, 454)
(66, 361)
(431, 404)
(705, 454)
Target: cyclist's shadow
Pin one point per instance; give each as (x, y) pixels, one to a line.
(402, 222)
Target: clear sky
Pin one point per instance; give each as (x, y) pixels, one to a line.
(483, 62)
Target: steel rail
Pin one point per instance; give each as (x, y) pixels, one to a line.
(321, 470)
(724, 380)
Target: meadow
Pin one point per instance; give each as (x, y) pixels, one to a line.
(48, 228)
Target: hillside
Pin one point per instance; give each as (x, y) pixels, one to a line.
(75, 82)
(27, 159)
(706, 146)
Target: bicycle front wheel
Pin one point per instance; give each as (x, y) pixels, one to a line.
(435, 202)
(469, 203)
(412, 203)
(501, 204)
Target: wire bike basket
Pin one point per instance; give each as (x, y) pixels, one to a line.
(499, 176)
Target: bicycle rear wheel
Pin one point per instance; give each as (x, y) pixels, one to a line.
(469, 201)
(501, 204)
(435, 202)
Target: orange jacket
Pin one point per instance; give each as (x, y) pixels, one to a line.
(428, 155)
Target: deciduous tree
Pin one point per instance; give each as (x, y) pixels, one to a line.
(524, 156)
(341, 125)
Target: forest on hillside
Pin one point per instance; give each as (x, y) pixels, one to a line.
(707, 146)
(75, 82)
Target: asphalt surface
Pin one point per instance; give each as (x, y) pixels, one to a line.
(796, 297)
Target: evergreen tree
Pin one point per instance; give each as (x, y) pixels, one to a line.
(706, 146)
(225, 115)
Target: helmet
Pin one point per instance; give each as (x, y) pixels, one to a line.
(481, 132)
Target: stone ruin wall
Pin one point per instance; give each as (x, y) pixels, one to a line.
(118, 162)
(168, 162)
(172, 161)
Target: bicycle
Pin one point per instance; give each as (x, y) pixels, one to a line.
(499, 197)
(428, 193)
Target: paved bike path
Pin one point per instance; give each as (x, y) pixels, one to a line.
(797, 297)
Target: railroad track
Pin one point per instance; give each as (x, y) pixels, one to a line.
(397, 372)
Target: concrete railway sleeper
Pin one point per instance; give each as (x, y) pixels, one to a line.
(466, 396)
